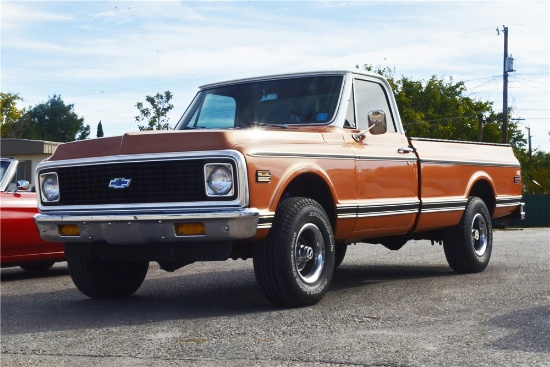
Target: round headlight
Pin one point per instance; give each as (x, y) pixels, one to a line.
(50, 187)
(220, 181)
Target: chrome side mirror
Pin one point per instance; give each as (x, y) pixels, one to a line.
(377, 125)
(23, 185)
(377, 122)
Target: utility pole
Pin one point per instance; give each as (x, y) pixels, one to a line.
(480, 128)
(505, 90)
(508, 66)
(528, 133)
(529, 140)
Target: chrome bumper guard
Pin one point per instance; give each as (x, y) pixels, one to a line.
(519, 213)
(139, 229)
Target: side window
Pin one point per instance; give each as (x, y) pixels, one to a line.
(24, 171)
(370, 96)
(217, 112)
(3, 168)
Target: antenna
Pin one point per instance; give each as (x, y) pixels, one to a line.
(158, 72)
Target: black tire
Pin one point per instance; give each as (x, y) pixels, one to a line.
(468, 246)
(294, 265)
(107, 278)
(339, 253)
(39, 266)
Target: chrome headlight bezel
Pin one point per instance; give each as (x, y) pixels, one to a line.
(49, 187)
(219, 179)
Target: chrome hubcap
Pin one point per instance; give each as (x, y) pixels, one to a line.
(309, 253)
(303, 255)
(479, 234)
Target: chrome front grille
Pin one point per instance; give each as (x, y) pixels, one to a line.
(151, 182)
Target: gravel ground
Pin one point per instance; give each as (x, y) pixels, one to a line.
(384, 308)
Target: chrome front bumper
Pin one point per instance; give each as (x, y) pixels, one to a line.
(139, 229)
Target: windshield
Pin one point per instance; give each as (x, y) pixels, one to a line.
(3, 168)
(306, 100)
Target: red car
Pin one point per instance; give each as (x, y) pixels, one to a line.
(21, 244)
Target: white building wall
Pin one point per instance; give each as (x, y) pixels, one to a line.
(34, 159)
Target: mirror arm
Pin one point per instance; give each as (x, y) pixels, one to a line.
(360, 136)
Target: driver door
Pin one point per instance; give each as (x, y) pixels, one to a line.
(386, 167)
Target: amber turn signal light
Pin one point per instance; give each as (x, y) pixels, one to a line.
(68, 230)
(190, 229)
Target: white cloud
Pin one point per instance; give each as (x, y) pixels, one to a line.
(19, 15)
(81, 49)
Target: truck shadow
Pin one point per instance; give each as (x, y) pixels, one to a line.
(352, 276)
(178, 296)
(16, 273)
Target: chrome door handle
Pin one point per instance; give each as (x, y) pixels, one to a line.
(405, 150)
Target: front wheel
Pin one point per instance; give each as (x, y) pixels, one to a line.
(98, 278)
(294, 265)
(468, 246)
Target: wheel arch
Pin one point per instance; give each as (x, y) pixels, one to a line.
(484, 189)
(311, 185)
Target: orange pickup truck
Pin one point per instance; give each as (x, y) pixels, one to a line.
(287, 170)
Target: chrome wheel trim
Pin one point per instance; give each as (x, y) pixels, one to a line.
(309, 253)
(480, 234)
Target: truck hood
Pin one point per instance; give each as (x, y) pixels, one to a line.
(149, 142)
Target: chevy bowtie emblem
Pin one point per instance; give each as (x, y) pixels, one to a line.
(119, 183)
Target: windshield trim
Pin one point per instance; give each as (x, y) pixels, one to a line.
(203, 91)
(273, 77)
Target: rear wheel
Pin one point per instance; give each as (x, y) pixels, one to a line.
(294, 265)
(98, 278)
(468, 246)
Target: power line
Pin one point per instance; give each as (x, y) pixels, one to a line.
(488, 77)
(488, 82)
(434, 121)
(531, 86)
(294, 64)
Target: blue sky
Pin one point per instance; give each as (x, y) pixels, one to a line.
(104, 56)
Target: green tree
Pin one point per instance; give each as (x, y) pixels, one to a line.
(53, 120)
(439, 108)
(156, 115)
(535, 171)
(10, 114)
(99, 133)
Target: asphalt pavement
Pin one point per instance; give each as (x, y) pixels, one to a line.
(403, 308)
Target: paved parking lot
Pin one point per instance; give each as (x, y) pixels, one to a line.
(384, 308)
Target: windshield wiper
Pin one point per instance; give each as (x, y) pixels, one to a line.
(193, 127)
(264, 124)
